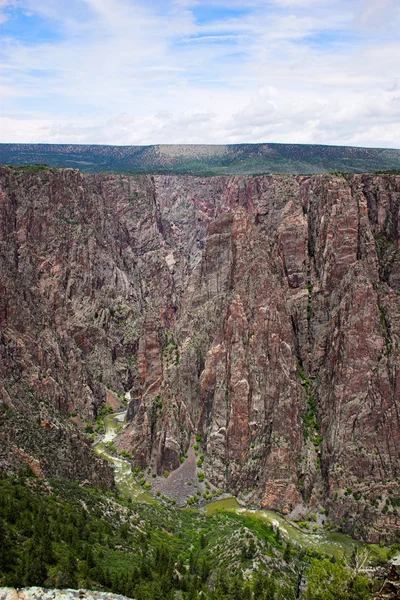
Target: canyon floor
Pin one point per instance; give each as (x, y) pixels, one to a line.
(247, 328)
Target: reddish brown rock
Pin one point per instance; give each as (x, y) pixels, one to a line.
(261, 313)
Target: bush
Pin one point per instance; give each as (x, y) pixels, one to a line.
(328, 581)
(125, 454)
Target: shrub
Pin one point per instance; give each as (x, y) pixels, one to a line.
(125, 454)
(327, 580)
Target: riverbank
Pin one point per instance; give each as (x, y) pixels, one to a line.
(331, 543)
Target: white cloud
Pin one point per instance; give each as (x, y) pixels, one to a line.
(6, 4)
(129, 72)
(374, 14)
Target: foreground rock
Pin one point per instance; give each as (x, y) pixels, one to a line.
(36, 593)
(389, 589)
(261, 314)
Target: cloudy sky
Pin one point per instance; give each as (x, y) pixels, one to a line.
(200, 71)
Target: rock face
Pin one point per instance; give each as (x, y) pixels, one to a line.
(260, 313)
(391, 586)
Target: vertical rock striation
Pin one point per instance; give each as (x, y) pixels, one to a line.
(261, 313)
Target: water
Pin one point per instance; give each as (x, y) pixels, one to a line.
(330, 543)
(225, 504)
(124, 478)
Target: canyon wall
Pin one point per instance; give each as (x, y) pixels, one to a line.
(261, 314)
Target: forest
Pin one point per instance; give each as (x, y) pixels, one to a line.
(58, 534)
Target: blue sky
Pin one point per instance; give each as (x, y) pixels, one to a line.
(205, 71)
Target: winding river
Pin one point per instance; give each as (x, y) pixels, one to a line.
(330, 543)
(124, 478)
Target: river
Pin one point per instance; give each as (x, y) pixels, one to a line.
(124, 478)
(328, 542)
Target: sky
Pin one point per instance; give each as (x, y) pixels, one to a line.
(200, 71)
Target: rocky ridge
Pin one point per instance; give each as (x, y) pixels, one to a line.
(261, 314)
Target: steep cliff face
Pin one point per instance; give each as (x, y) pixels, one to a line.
(260, 313)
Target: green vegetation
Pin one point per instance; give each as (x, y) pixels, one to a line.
(65, 535)
(61, 534)
(330, 581)
(111, 447)
(67, 220)
(170, 349)
(125, 454)
(34, 168)
(106, 410)
(311, 425)
(245, 159)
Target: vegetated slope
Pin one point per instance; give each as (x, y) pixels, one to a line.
(205, 159)
(259, 313)
(63, 535)
(58, 534)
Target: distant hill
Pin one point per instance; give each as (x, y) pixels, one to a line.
(205, 160)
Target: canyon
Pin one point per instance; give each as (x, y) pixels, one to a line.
(255, 316)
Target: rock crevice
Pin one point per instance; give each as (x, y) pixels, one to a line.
(260, 313)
